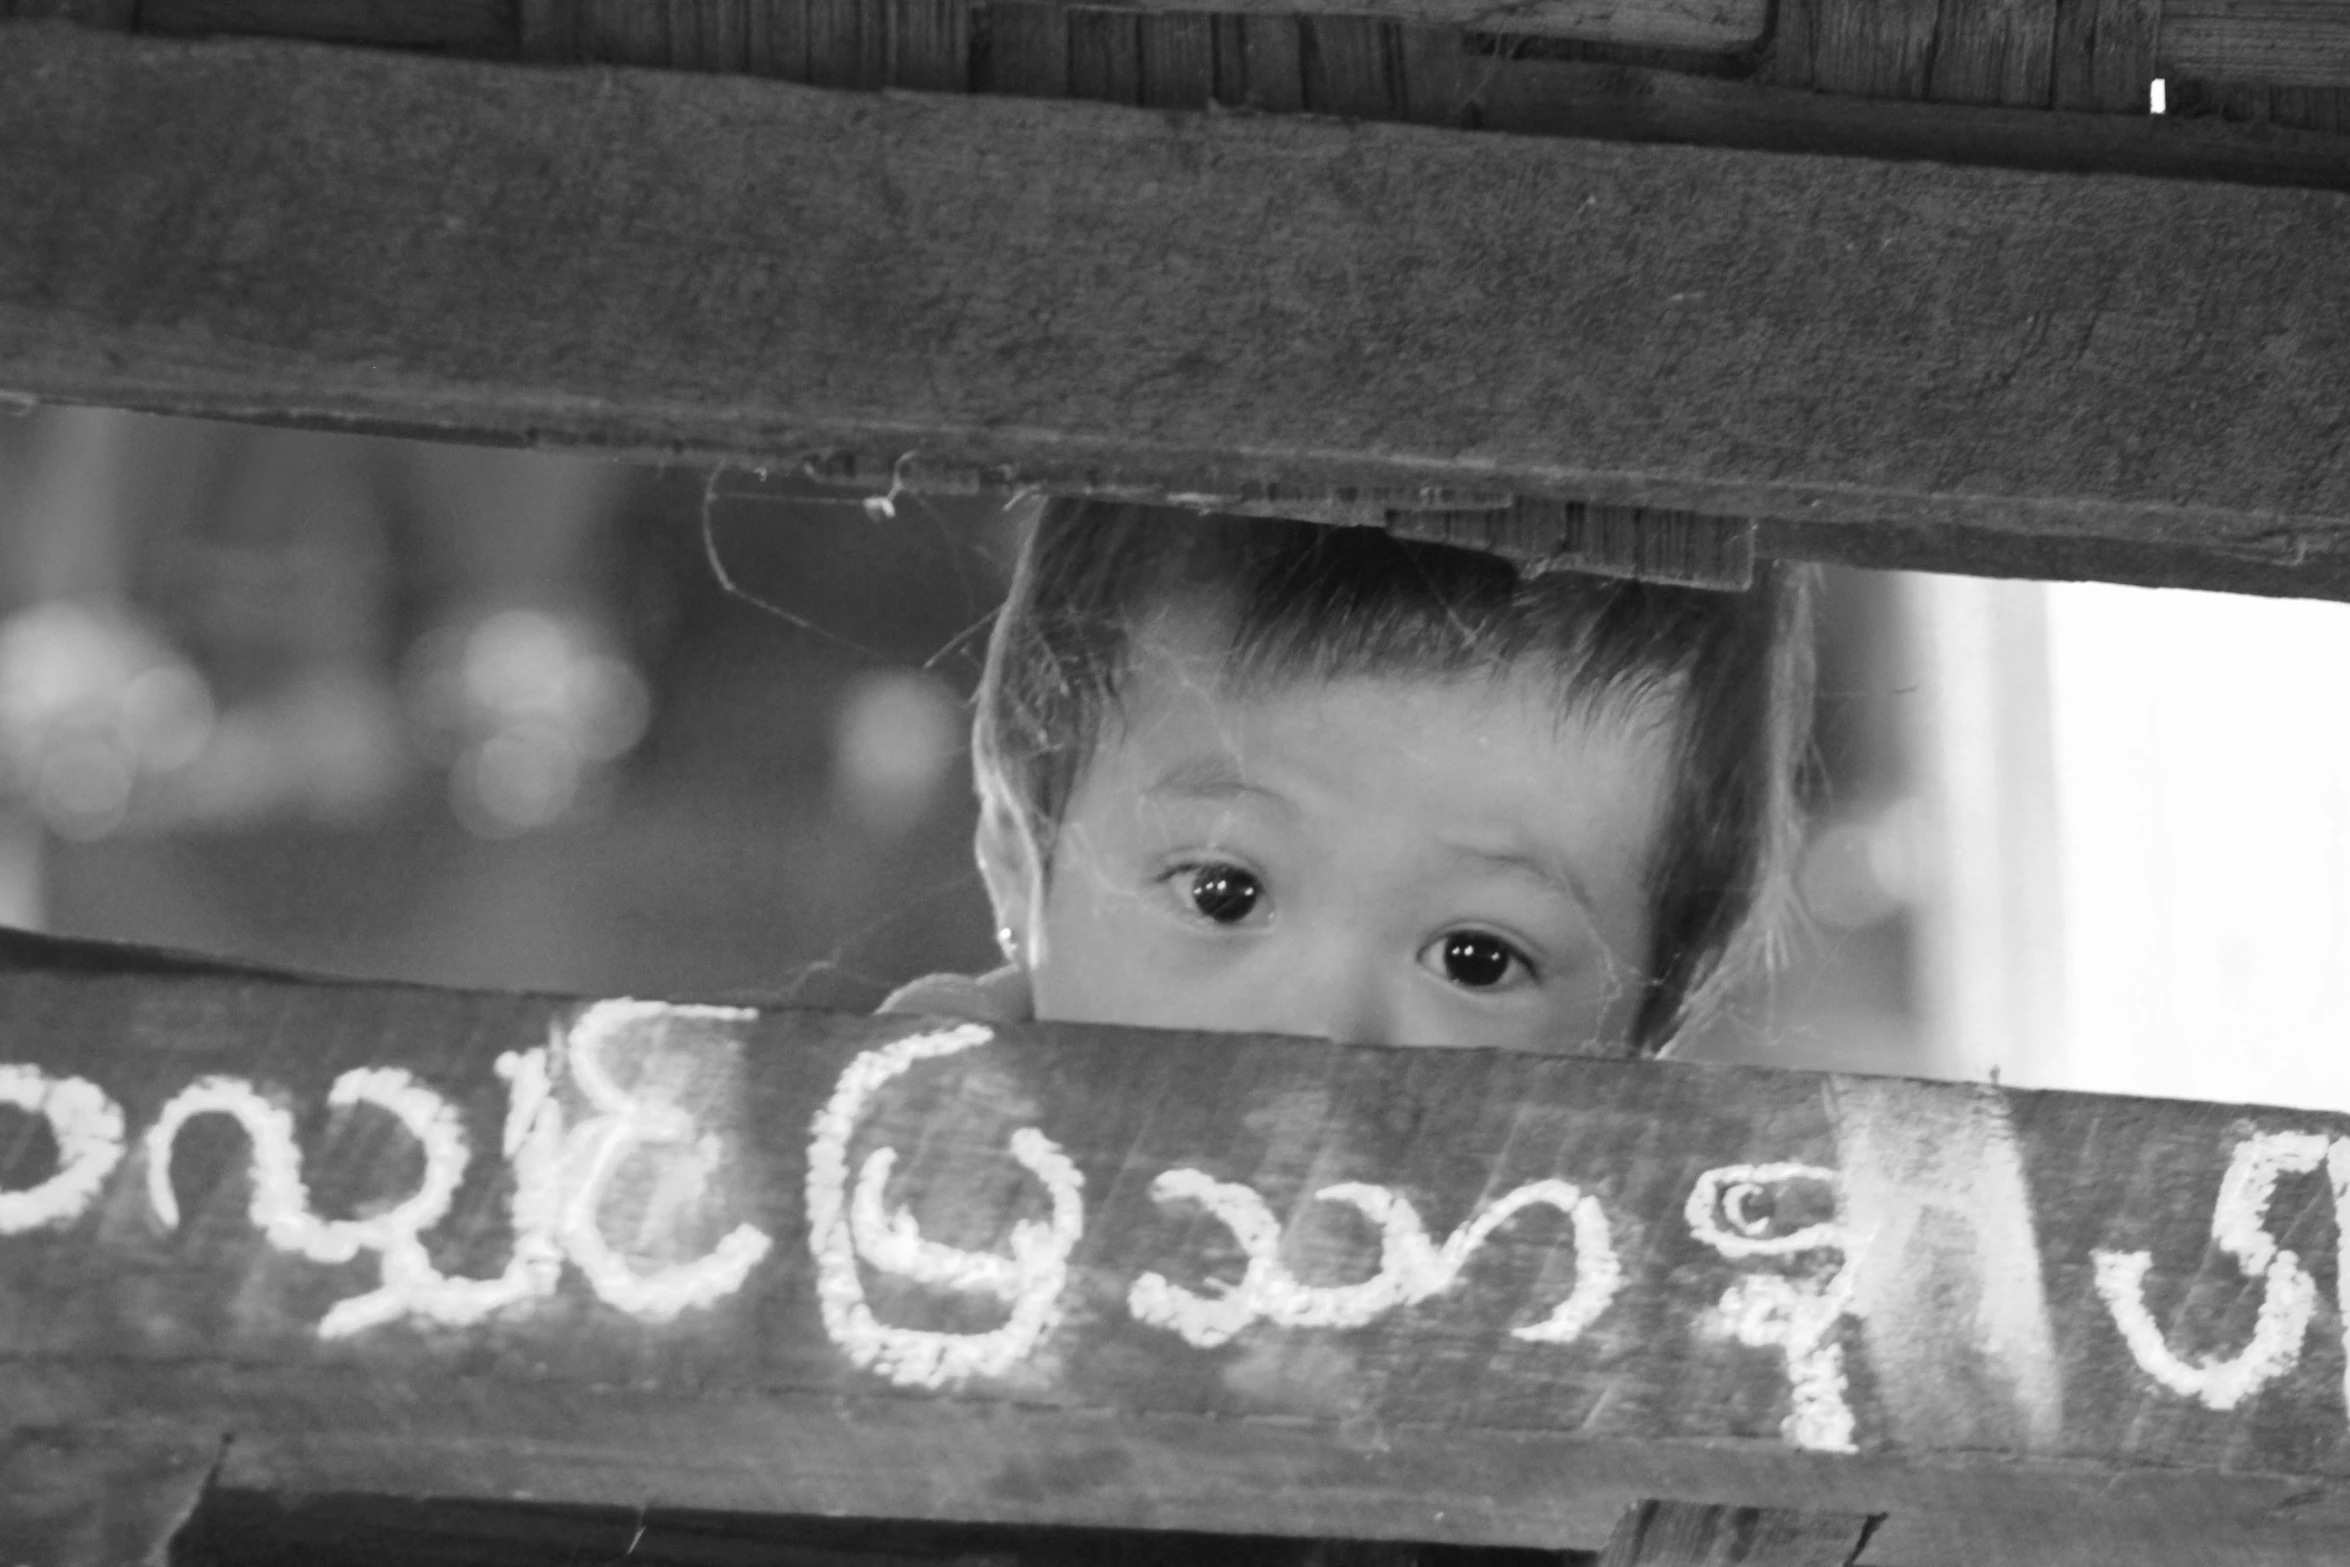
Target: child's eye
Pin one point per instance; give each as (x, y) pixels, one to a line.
(1478, 960)
(1224, 893)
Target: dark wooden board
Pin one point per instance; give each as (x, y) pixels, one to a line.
(1212, 306)
(1714, 1285)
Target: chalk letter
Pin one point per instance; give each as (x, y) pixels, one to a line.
(411, 1284)
(841, 1228)
(280, 1204)
(2239, 1227)
(1411, 1267)
(87, 1127)
(1796, 1316)
(596, 1148)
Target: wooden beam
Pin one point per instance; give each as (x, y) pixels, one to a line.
(403, 1242)
(1217, 306)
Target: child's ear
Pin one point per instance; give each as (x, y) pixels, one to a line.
(1007, 863)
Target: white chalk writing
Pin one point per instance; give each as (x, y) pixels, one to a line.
(411, 1285)
(624, 1123)
(841, 1229)
(1411, 1267)
(560, 1182)
(2239, 1227)
(1795, 1314)
(87, 1128)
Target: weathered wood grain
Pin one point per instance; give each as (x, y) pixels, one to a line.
(2101, 59)
(649, 263)
(1178, 61)
(114, 1493)
(477, 25)
(413, 1243)
(1351, 68)
(1719, 26)
(1027, 51)
(1722, 26)
(2271, 43)
(1654, 546)
(1273, 74)
(90, 13)
(1615, 103)
(2104, 57)
(247, 1529)
(1682, 1534)
(1105, 57)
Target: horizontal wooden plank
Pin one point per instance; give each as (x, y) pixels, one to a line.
(407, 1242)
(1212, 306)
(2274, 43)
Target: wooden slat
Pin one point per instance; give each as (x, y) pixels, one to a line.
(1871, 48)
(1350, 68)
(1105, 56)
(646, 263)
(1561, 98)
(1178, 60)
(1978, 1313)
(1027, 52)
(930, 45)
(1717, 26)
(2274, 43)
(2104, 56)
(848, 43)
(91, 13)
(480, 25)
(1273, 48)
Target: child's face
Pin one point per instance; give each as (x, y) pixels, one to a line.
(1372, 860)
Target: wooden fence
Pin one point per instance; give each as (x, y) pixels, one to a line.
(1640, 287)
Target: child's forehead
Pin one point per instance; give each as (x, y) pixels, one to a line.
(1186, 649)
(1436, 770)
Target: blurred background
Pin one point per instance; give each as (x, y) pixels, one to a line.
(489, 718)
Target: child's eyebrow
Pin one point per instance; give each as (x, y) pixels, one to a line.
(1208, 778)
(1558, 874)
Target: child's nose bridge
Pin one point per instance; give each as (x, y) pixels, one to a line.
(1342, 991)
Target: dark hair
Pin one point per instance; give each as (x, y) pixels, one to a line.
(1305, 600)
